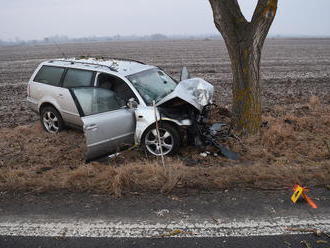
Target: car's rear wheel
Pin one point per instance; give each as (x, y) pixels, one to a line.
(170, 140)
(51, 120)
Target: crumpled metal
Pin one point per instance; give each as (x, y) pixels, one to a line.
(195, 91)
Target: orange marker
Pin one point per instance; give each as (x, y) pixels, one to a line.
(309, 201)
(300, 191)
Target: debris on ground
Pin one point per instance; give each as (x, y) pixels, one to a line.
(316, 232)
(204, 154)
(209, 132)
(175, 198)
(162, 212)
(114, 155)
(224, 151)
(288, 245)
(175, 233)
(322, 242)
(306, 244)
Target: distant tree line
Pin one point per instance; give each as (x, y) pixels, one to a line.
(61, 39)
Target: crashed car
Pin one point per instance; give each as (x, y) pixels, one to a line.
(121, 103)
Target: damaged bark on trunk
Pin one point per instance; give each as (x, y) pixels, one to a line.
(244, 41)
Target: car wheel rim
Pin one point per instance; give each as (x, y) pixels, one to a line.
(50, 122)
(166, 142)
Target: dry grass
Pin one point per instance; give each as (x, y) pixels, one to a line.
(290, 149)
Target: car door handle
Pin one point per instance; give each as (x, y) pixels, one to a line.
(91, 127)
(60, 95)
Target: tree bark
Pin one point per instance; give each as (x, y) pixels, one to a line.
(244, 41)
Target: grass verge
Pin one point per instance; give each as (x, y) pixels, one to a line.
(291, 148)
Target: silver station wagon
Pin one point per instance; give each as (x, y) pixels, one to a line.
(119, 103)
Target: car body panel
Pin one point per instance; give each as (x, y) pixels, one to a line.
(60, 98)
(108, 132)
(146, 117)
(196, 91)
(33, 104)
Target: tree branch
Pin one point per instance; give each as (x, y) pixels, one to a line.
(262, 20)
(266, 9)
(229, 19)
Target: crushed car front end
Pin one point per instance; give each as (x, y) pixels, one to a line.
(176, 113)
(171, 103)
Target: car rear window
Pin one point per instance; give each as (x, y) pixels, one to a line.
(77, 78)
(49, 75)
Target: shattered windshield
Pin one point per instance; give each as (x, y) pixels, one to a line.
(153, 85)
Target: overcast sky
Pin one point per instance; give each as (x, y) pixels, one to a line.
(36, 19)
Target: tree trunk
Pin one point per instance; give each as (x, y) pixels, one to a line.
(244, 41)
(246, 106)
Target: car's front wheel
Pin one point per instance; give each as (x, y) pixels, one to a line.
(168, 143)
(51, 120)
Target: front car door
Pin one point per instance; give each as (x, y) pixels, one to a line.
(73, 78)
(108, 125)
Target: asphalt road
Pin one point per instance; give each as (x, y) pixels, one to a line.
(190, 219)
(285, 241)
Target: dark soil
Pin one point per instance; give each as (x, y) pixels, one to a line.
(292, 69)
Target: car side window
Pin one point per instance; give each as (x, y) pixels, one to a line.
(77, 78)
(116, 85)
(96, 100)
(49, 75)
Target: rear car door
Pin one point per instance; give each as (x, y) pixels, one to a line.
(108, 125)
(47, 87)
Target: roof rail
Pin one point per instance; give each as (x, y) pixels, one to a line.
(129, 60)
(85, 63)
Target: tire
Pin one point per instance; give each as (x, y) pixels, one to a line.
(170, 144)
(51, 120)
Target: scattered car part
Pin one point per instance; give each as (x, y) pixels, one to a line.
(211, 134)
(203, 154)
(224, 151)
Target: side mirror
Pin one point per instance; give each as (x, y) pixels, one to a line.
(132, 104)
(184, 74)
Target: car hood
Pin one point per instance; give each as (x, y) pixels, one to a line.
(196, 92)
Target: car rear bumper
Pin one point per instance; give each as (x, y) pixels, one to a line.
(32, 105)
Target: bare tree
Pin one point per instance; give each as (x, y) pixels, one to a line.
(244, 41)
